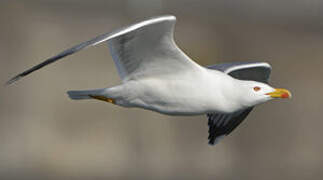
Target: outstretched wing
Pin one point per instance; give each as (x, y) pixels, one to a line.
(149, 49)
(220, 124)
(142, 48)
(255, 71)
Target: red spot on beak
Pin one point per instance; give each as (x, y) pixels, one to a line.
(280, 93)
(285, 95)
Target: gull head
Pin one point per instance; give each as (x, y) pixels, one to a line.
(256, 93)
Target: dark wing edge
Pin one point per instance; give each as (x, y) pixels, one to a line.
(97, 40)
(59, 56)
(255, 71)
(221, 125)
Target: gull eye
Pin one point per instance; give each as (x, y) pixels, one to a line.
(257, 88)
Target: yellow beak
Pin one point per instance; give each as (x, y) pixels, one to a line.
(280, 93)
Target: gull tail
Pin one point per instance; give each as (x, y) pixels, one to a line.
(85, 94)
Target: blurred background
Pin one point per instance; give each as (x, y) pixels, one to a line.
(45, 135)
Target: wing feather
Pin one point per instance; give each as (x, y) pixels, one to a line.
(149, 50)
(223, 124)
(142, 48)
(255, 71)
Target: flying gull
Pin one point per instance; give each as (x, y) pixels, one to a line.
(156, 75)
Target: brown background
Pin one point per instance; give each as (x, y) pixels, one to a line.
(44, 134)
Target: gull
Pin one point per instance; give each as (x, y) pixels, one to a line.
(156, 75)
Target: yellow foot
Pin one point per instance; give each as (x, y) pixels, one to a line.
(103, 98)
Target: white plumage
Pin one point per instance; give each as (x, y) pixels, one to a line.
(158, 76)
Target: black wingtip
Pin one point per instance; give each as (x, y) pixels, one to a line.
(12, 80)
(211, 142)
(214, 140)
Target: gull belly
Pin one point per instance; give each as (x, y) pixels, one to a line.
(186, 94)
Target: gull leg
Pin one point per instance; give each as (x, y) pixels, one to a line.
(103, 98)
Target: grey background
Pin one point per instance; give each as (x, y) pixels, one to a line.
(45, 135)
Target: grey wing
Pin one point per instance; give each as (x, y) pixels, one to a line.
(149, 50)
(255, 71)
(142, 48)
(221, 125)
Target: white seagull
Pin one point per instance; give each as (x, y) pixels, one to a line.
(156, 75)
